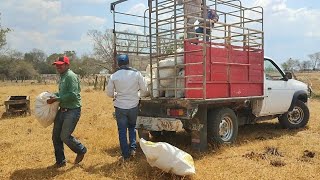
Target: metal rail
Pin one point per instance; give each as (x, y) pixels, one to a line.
(163, 28)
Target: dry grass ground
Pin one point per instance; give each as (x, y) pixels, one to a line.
(262, 151)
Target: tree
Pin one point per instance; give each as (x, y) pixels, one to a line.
(86, 66)
(35, 56)
(71, 55)
(305, 65)
(4, 67)
(126, 42)
(291, 64)
(314, 58)
(103, 47)
(14, 67)
(3, 40)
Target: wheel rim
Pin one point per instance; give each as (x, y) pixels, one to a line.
(226, 128)
(296, 115)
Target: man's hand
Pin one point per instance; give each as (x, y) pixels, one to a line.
(51, 100)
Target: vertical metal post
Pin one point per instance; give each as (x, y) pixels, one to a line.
(228, 61)
(150, 47)
(158, 46)
(204, 52)
(137, 44)
(114, 42)
(175, 45)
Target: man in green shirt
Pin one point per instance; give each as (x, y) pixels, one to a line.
(68, 114)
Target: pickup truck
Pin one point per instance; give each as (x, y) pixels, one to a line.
(217, 119)
(217, 82)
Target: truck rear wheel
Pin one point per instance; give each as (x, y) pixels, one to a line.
(222, 126)
(297, 118)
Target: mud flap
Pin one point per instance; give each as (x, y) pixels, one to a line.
(199, 130)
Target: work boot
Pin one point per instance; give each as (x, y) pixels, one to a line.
(79, 158)
(57, 165)
(133, 153)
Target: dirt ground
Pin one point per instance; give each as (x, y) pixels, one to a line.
(262, 151)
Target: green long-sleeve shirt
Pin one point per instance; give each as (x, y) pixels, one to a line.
(69, 90)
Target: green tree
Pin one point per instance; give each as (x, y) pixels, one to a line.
(3, 34)
(35, 56)
(86, 66)
(21, 70)
(4, 67)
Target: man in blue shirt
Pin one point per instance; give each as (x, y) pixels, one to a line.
(212, 17)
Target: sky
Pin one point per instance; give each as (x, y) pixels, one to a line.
(290, 26)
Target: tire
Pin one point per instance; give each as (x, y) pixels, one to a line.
(169, 133)
(188, 131)
(297, 118)
(156, 134)
(222, 126)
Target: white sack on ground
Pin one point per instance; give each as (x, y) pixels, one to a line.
(45, 113)
(168, 158)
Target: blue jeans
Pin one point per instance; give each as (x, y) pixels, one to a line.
(64, 125)
(126, 119)
(201, 30)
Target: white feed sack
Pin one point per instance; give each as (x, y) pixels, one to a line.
(167, 72)
(180, 84)
(168, 158)
(45, 113)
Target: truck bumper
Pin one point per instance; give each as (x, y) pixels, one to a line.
(158, 124)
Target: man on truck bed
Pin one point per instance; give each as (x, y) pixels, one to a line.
(191, 9)
(124, 86)
(212, 17)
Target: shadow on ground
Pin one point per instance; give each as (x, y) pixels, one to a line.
(39, 173)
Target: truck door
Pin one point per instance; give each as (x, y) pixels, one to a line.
(278, 93)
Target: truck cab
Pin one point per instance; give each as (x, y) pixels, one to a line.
(284, 96)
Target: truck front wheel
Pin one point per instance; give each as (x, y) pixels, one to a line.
(297, 118)
(222, 126)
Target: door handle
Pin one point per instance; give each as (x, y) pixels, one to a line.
(269, 88)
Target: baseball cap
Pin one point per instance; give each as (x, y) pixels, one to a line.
(122, 57)
(62, 60)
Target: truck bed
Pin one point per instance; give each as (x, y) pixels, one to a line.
(231, 71)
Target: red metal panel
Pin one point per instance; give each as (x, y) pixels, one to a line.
(233, 72)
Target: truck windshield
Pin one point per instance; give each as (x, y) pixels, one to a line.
(271, 71)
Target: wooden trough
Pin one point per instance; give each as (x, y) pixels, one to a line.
(17, 105)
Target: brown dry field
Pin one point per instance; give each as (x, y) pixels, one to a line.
(262, 151)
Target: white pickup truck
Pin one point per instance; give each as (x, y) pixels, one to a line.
(219, 81)
(217, 120)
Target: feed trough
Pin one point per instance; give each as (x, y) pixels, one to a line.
(17, 105)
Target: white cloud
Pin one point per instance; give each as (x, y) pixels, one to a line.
(41, 24)
(38, 8)
(47, 42)
(88, 21)
(90, 1)
(137, 9)
(282, 20)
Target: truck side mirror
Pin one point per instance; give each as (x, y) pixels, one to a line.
(289, 75)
